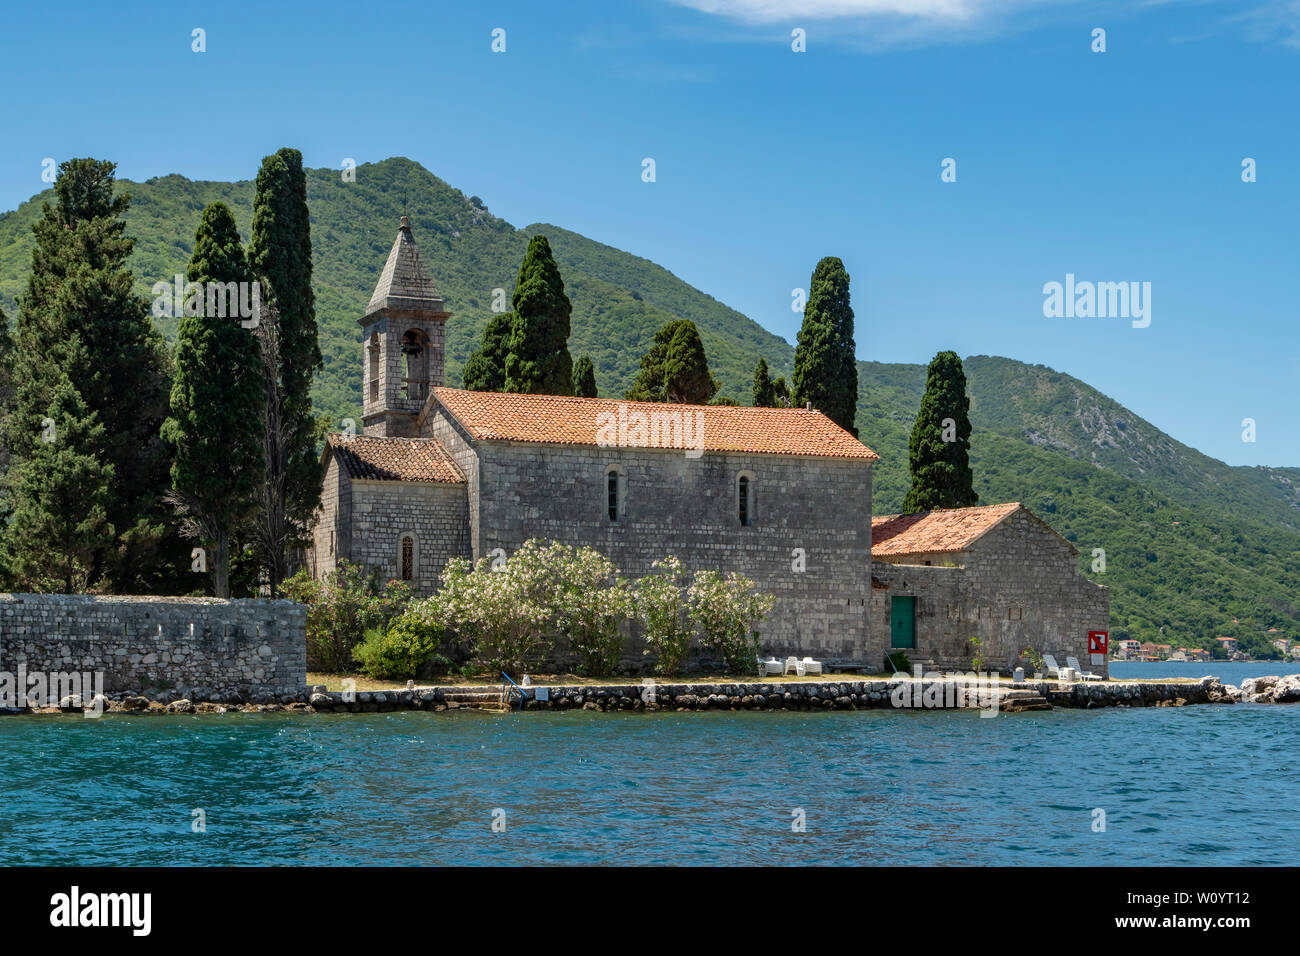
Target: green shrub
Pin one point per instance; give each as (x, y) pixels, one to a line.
(341, 608)
(900, 661)
(403, 650)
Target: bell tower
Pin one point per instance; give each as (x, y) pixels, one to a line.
(403, 342)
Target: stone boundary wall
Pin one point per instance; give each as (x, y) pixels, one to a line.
(242, 650)
(942, 693)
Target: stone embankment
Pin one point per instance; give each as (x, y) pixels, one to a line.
(902, 694)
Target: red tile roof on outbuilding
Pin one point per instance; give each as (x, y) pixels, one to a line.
(949, 529)
(375, 458)
(565, 420)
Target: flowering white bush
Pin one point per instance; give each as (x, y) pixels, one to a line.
(590, 603)
(510, 614)
(727, 608)
(502, 614)
(662, 612)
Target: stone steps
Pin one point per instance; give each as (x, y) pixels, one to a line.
(1017, 701)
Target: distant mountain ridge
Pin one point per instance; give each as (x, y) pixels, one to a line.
(1190, 542)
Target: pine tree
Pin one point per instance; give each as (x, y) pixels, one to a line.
(280, 256)
(80, 321)
(939, 450)
(60, 526)
(486, 369)
(584, 378)
(825, 366)
(216, 405)
(686, 370)
(764, 387)
(539, 362)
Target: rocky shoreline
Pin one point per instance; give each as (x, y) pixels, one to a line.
(907, 693)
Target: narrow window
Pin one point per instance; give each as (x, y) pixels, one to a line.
(331, 542)
(742, 492)
(374, 367)
(408, 558)
(611, 483)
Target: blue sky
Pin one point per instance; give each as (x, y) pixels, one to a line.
(1115, 166)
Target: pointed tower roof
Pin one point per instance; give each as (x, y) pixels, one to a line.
(405, 282)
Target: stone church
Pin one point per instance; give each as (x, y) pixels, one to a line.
(781, 495)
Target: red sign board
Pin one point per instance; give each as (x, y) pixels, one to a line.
(1097, 641)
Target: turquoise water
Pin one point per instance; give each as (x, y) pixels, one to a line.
(1196, 785)
(1230, 672)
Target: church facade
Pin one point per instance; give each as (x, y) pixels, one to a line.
(780, 495)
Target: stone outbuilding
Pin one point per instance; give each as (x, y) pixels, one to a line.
(997, 573)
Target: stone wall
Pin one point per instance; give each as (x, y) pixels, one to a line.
(1018, 586)
(332, 525)
(393, 413)
(434, 514)
(675, 505)
(198, 648)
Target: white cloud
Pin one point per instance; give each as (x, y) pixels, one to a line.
(953, 12)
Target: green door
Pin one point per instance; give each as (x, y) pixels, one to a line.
(902, 622)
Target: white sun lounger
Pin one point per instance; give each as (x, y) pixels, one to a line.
(811, 666)
(1053, 669)
(1074, 662)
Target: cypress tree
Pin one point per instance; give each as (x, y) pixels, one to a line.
(764, 387)
(80, 321)
(6, 402)
(280, 256)
(687, 359)
(486, 369)
(539, 362)
(649, 383)
(60, 526)
(216, 405)
(939, 449)
(780, 393)
(584, 378)
(6, 398)
(825, 367)
(686, 370)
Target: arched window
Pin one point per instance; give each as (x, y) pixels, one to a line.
(415, 354)
(615, 492)
(374, 366)
(408, 558)
(745, 498)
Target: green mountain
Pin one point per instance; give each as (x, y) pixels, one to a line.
(1190, 543)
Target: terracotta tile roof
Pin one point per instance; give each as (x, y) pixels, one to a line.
(950, 529)
(394, 459)
(563, 420)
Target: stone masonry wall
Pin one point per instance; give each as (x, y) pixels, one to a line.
(434, 514)
(393, 413)
(687, 507)
(197, 648)
(328, 530)
(1018, 586)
